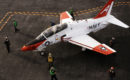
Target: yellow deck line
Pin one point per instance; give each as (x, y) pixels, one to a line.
(5, 17)
(6, 22)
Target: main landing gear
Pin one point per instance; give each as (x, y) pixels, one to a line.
(83, 49)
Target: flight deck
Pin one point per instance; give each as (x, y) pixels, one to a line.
(34, 16)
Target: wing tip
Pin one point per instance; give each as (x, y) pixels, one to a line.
(104, 49)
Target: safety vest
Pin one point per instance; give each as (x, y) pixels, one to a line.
(15, 24)
(52, 72)
(71, 11)
(50, 59)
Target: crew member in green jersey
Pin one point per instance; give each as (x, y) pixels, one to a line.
(53, 73)
(15, 25)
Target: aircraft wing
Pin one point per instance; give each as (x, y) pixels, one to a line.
(65, 17)
(88, 42)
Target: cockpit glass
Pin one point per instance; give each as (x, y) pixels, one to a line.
(52, 30)
(60, 27)
(49, 32)
(41, 37)
(37, 40)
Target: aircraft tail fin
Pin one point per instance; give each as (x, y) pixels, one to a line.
(116, 21)
(106, 9)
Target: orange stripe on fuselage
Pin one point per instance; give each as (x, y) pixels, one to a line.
(32, 47)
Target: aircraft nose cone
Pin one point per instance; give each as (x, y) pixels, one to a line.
(24, 48)
(28, 48)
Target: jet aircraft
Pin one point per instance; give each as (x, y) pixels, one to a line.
(76, 32)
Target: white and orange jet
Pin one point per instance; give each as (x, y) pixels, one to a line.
(76, 32)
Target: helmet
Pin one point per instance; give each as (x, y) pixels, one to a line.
(113, 38)
(52, 68)
(112, 67)
(6, 37)
(49, 54)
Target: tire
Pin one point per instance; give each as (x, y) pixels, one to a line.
(42, 53)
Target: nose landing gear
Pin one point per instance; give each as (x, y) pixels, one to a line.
(43, 52)
(83, 49)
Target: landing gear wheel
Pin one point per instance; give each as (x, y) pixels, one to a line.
(42, 53)
(83, 49)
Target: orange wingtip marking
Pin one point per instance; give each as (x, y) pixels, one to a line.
(103, 50)
(64, 15)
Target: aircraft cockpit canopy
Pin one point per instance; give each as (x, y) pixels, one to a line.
(60, 27)
(38, 39)
(54, 29)
(48, 32)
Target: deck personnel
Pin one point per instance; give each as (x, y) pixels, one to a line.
(7, 44)
(50, 60)
(111, 73)
(112, 41)
(15, 25)
(71, 12)
(52, 23)
(53, 73)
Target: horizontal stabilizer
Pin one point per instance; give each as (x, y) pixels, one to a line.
(115, 21)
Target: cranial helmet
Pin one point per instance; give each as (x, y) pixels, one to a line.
(112, 67)
(49, 54)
